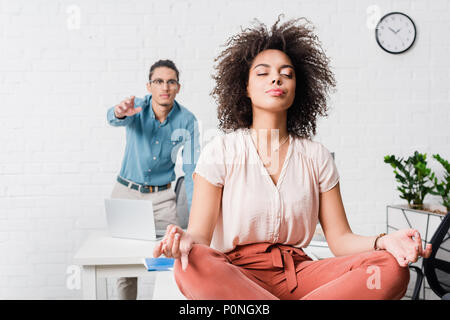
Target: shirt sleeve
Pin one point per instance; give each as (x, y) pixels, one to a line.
(211, 164)
(191, 152)
(328, 173)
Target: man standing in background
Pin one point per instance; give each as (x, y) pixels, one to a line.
(157, 126)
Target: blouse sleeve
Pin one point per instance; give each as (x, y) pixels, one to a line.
(211, 163)
(328, 173)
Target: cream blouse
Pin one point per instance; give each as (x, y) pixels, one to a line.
(254, 209)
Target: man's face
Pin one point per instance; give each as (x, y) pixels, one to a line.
(163, 86)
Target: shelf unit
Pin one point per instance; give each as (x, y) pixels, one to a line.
(426, 222)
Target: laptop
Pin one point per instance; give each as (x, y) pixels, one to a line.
(131, 219)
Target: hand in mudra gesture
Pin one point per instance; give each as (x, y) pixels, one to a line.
(405, 245)
(175, 244)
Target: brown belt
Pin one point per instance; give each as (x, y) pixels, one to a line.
(282, 256)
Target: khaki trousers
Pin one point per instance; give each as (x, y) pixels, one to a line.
(165, 212)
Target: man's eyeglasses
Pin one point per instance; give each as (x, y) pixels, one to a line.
(172, 83)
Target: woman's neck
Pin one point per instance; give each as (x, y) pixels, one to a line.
(270, 125)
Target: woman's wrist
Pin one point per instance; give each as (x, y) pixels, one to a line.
(379, 242)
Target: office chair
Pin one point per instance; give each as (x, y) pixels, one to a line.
(182, 204)
(437, 266)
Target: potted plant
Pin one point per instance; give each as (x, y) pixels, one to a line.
(414, 178)
(443, 188)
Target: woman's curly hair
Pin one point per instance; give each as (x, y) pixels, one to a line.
(314, 78)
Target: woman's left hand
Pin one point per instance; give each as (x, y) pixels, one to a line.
(405, 245)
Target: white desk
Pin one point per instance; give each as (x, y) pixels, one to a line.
(102, 256)
(318, 250)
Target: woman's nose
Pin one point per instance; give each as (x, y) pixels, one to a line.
(277, 81)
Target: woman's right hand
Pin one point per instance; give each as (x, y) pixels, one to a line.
(175, 244)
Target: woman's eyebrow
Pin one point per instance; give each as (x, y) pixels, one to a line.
(262, 65)
(287, 66)
(268, 66)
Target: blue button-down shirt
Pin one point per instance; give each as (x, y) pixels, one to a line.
(152, 147)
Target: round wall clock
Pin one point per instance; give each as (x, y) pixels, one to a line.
(395, 32)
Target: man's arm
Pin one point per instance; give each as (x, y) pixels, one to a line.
(123, 113)
(191, 152)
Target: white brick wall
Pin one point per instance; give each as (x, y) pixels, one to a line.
(59, 157)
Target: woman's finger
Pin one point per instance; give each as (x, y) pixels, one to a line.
(184, 261)
(164, 241)
(164, 248)
(418, 243)
(427, 251)
(170, 239)
(176, 246)
(410, 232)
(186, 248)
(167, 234)
(157, 250)
(167, 248)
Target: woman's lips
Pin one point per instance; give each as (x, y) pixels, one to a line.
(275, 92)
(164, 96)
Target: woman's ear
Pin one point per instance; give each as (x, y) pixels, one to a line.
(149, 88)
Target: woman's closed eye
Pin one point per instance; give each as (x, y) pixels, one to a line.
(289, 76)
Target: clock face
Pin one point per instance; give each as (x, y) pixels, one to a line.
(395, 33)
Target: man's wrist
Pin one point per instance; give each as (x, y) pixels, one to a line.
(117, 117)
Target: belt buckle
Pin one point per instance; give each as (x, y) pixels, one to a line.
(143, 187)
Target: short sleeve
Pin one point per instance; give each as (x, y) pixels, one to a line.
(328, 173)
(211, 163)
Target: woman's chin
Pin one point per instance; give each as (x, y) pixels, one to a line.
(275, 108)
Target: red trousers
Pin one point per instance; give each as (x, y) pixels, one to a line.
(265, 271)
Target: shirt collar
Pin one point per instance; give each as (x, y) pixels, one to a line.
(174, 109)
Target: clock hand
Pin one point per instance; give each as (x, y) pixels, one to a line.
(398, 30)
(392, 29)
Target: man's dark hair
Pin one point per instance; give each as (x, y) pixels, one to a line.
(314, 78)
(163, 63)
